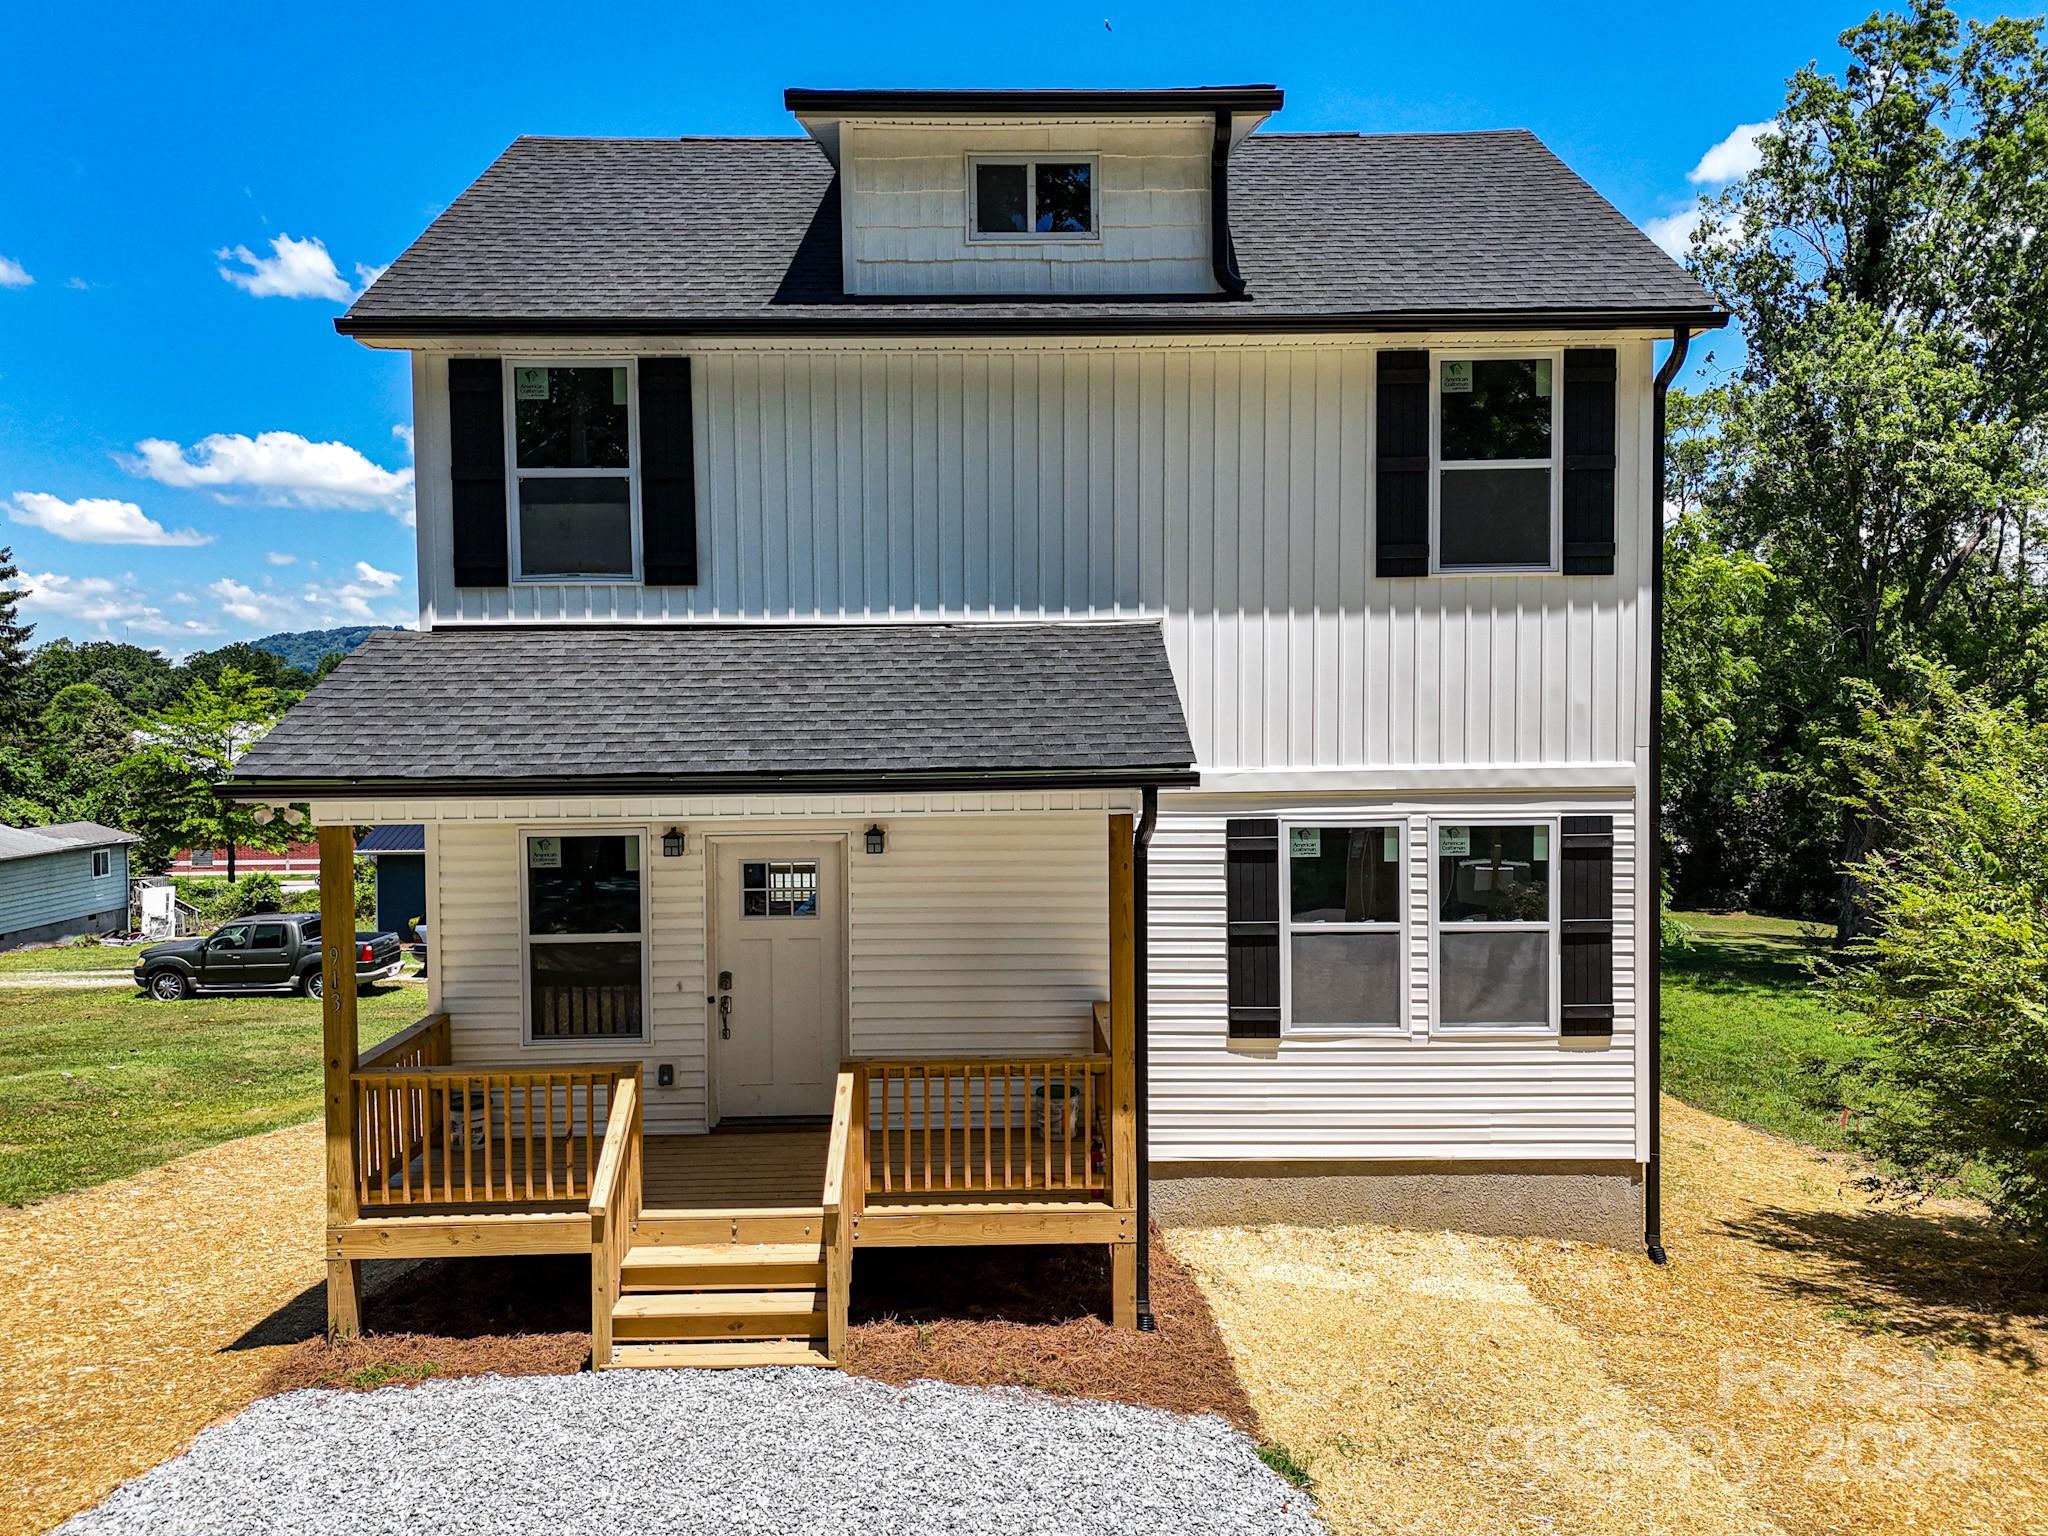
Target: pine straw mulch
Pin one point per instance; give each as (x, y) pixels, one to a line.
(1024, 1317)
(1811, 1362)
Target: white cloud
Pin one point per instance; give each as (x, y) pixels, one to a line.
(403, 432)
(315, 605)
(382, 580)
(279, 557)
(1673, 231)
(78, 283)
(294, 269)
(106, 603)
(241, 602)
(1733, 158)
(13, 274)
(280, 469)
(99, 520)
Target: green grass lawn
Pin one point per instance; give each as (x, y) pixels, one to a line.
(1745, 1036)
(64, 957)
(96, 1084)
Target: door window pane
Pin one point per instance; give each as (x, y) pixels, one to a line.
(1494, 977)
(1493, 874)
(1494, 408)
(999, 193)
(779, 888)
(1344, 874)
(268, 936)
(585, 989)
(570, 418)
(1064, 204)
(1346, 978)
(576, 526)
(588, 885)
(1491, 517)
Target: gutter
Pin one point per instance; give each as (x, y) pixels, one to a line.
(1653, 1176)
(1222, 254)
(1141, 1050)
(282, 790)
(1175, 314)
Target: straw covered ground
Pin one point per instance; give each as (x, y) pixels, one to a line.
(1809, 1362)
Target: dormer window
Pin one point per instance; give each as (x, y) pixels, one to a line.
(1025, 199)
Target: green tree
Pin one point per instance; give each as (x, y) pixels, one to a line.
(1952, 975)
(13, 644)
(143, 681)
(1879, 448)
(191, 747)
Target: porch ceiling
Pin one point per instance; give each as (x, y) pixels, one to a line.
(525, 710)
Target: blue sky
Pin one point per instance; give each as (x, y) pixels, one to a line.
(190, 455)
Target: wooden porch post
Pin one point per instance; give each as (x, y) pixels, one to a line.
(338, 1052)
(1123, 1091)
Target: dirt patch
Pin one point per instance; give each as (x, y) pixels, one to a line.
(1030, 1317)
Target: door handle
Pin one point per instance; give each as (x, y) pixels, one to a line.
(725, 1017)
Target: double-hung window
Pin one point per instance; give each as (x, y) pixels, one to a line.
(1496, 926)
(1025, 199)
(570, 427)
(1341, 927)
(102, 863)
(586, 935)
(1497, 472)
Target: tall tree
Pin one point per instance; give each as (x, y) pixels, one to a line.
(13, 644)
(1879, 448)
(193, 745)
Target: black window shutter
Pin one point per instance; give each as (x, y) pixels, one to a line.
(1589, 461)
(668, 474)
(476, 471)
(1586, 925)
(1401, 469)
(1251, 900)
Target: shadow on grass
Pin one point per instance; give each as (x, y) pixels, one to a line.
(1935, 1278)
(1724, 962)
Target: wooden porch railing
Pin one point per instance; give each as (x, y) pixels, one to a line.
(844, 1200)
(981, 1124)
(441, 1135)
(615, 1195)
(424, 1044)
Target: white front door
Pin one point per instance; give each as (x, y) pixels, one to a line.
(778, 972)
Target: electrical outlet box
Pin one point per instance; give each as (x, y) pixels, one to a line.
(665, 1075)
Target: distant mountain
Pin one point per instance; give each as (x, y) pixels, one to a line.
(304, 648)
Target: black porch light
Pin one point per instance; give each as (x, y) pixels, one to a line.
(876, 838)
(672, 844)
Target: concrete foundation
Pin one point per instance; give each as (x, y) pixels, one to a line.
(1592, 1202)
(110, 921)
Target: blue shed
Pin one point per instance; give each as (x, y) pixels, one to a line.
(401, 855)
(58, 881)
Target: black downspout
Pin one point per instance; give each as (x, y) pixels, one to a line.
(1222, 255)
(1653, 1179)
(1141, 990)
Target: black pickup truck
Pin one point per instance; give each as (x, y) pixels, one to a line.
(267, 952)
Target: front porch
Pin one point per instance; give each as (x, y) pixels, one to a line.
(733, 1247)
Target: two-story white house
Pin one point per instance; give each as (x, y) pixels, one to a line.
(1017, 662)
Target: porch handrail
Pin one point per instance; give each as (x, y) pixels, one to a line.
(1102, 1027)
(615, 1197)
(423, 1043)
(1043, 1124)
(844, 1199)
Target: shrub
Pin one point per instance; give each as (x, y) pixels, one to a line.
(1953, 973)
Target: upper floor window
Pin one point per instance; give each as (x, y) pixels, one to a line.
(1031, 199)
(1496, 471)
(102, 863)
(572, 459)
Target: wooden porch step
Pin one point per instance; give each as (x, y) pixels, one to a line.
(797, 1312)
(719, 1354)
(722, 1266)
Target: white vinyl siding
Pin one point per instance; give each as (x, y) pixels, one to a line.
(1226, 489)
(1366, 1096)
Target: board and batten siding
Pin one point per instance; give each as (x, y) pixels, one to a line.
(1382, 1097)
(60, 887)
(971, 934)
(905, 209)
(1225, 489)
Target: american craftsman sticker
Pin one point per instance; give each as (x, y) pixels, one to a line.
(619, 386)
(530, 384)
(1457, 378)
(1454, 842)
(543, 853)
(1393, 845)
(1542, 378)
(1305, 842)
(1542, 842)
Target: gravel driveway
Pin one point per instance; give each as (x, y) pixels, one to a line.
(712, 1451)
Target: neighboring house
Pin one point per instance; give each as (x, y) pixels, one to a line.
(299, 861)
(59, 881)
(1106, 651)
(400, 854)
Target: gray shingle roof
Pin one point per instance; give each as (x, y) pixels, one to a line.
(674, 234)
(34, 842)
(696, 706)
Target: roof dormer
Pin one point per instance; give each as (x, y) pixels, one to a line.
(1056, 192)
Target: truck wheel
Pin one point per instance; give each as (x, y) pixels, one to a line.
(170, 986)
(310, 984)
